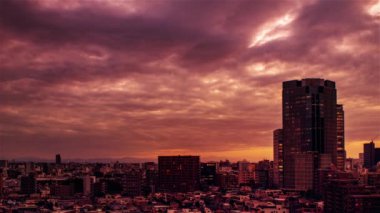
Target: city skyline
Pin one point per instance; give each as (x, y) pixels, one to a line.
(105, 79)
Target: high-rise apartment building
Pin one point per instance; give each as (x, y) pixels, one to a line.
(178, 173)
(313, 124)
(278, 158)
(369, 155)
(132, 183)
(341, 152)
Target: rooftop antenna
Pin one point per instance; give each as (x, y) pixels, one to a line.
(374, 138)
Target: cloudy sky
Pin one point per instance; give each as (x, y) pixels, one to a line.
(91, 79)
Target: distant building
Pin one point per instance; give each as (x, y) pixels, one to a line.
(208, 173)
(88, 182)
(150, 181)
(1, 183)
(58, 159)
(62, 190)
(263, 174)
(246, 172)
(149, 166)
(28, 184)
(132, 183)
(178, 173)
(227, 180)
(3, 163)
(99, 188)
(278, 158)
(341, 152)
(369, 155)
(29, 168)
(377, 155)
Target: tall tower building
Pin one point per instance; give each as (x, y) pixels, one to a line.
(310, 136)
(369, 155)
(340, 153)
(278, 157)
(58, 159)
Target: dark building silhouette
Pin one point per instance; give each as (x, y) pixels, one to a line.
(62, 190)
(377, 155)
(369, 155)
(310, 131)
(263, 174)
(208, 173)
(227, 180)
(28, 184)
(178, 173)
(1, 183)
(58, 159)
(99, 188)
(132, 183)
(150, 181)
(278, 158)
(68, 187)
(341, 152)
(348, 195)
(3, 163)
(363, 203)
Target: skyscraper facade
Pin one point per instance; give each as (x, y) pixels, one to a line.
(369, 155)
(340, 153)
(310, 130)
(278, 158)
(178, 173)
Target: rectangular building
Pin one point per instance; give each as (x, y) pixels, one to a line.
(369, 155)
(178, 173)
(341, 152)
(278, 158)
(310, 130)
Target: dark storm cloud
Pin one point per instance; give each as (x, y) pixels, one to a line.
(142, 78)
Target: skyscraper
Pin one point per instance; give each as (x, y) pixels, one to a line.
(369, 155)
(310, 130)
(278, 158)
(58, 159)
(178, 173)
(340, 153)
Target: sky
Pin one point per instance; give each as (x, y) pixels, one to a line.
(137, 79)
